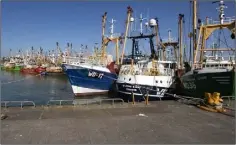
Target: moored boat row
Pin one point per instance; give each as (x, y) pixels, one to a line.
(155, 75)
(164, 71)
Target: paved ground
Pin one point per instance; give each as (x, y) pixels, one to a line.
(165, 122)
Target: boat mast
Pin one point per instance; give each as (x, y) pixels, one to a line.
(114, 38)
(141, 22)
(181, 16)
(194, 29)
(170, 42)
(221, 16)
(104, 17)
(10, 53)
(32, 52)
(129, 14)
(71, 49)
(111, 38)
(156, 33)
(207, 30)
(233, 37)
(57, 44)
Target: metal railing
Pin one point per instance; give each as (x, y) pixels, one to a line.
(226, 106)
(226, 20)
(60, 102)
(169, 40)
(111, 99)
(85, 101)
(21, 103)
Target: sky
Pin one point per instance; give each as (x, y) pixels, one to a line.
(43, 23)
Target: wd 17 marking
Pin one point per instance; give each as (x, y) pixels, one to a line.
(95, 74)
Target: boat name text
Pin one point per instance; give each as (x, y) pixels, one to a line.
(95, 74)
(189, 85)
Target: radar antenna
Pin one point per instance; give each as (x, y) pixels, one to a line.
(221, 10)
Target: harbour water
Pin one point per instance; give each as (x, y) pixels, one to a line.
(16, 86)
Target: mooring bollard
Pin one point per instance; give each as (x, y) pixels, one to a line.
(147, 99)
(133, 100)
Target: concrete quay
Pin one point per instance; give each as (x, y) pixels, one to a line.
(159, 122)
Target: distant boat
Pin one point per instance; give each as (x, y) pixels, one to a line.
(29, 67)
(18, 66)
(15, 64)
(40, 69)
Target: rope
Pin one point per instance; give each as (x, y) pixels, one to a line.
(224, 43)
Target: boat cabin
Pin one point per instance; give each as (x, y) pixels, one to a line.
(218, 62)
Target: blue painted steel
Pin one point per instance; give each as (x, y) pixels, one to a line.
(79, 76)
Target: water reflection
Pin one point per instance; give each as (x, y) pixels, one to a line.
(34, 88)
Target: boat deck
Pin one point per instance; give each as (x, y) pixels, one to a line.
(165, 122)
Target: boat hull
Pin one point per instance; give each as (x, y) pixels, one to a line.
(28, 70)
(126, 90)
(54, 70)
(195, 85)
(17, 68)
(139, 85)
(86, 81)
(40, 69)
(9, 66)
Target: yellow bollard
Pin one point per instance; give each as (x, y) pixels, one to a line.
(209, 98)
(147, 98)
(218, 102)
(133, 100)
(215, 103)
(217, 98)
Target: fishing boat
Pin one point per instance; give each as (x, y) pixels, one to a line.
(89, 79)
(9, 65)
(15, 64)
(40, 69)
(1, 67)
(18, 66)
(213, 72)
(54, 69)
(93, 74)
(150, 75)
(29, 70)
(29, 67)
